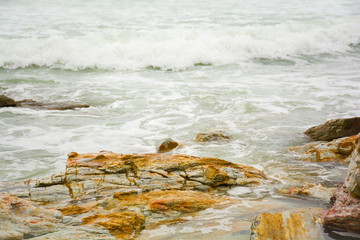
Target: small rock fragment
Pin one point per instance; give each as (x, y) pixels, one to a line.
(167, 145)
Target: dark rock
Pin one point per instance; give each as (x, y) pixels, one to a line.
(212, 136)
(6, 101)
(49, 106)
(336, 128)
(167, 145)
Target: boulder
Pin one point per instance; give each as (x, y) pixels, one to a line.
(6, 101)
(286, 225)
(336, 150)
(345, 212)
(108, 195)
(335, 128)
(212, 136)
(167, 145)
(352, 180)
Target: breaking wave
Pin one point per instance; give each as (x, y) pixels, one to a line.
(180, 48)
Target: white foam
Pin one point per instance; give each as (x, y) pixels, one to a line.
(236, 191)
(179, 48)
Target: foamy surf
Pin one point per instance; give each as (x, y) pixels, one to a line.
(181, 48)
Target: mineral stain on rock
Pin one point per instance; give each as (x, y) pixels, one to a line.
(286, 225)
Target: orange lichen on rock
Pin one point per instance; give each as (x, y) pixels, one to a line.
(336, 150)
(171, 200)
(182, 201)
(286, 225)
(74, 210)
(122, 225)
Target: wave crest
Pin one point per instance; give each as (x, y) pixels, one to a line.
(179, 48)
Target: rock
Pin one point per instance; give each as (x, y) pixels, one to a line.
(312, 190)
(336, 150)
(212, 136)
(20, 219)
(345, 212)
(28, 103)
(167, 145)
(123, 225)
(286, 225)
(75, 233)
(115, 196)
(335, 128)
(170, 200)
(352, 180)
(6, 101)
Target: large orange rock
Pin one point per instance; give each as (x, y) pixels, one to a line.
(110, 194)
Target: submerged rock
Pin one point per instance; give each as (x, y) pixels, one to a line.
(336, 150)
(311, 190)
(212, 136)
(108, 195)
(286, 225)
(6, 101)
(167, 145)
(335, 128)
(28, 103)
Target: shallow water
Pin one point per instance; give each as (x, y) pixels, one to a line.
(262, 71)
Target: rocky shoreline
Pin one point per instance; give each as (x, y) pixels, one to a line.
(108, 195)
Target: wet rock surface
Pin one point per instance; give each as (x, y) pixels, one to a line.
(167, 145)
(286, 225)
(345, 212)
(212, 136)
(28, 103)
(335, 128)
(20, 219)
(6, 101)
(311, 190)
(336, 150)
(114, 196)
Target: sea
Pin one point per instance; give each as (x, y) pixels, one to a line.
(262, 71)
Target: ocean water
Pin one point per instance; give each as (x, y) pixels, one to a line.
(263, 71)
